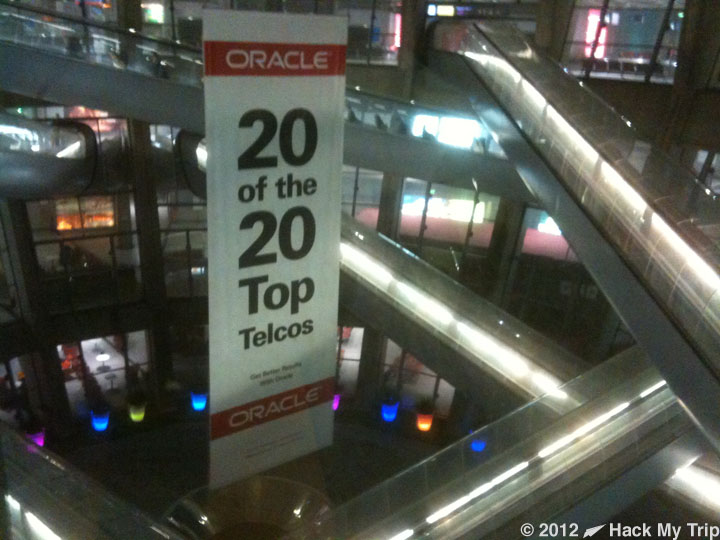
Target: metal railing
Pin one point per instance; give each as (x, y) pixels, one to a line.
(44, 497)
(624, 412)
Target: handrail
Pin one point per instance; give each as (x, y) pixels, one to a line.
(32, 479)
(623, 398)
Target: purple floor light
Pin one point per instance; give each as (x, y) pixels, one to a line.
(336, 401)
(389, 411)
(38, 437)
(100, 420)
(199, 401)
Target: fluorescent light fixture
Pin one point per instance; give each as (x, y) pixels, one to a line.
(17, 131)
(621, 189)
(648, 391)
(12, 503)
(493, 351)
(698, 485)
(42, 531)
(533, 95)
(509, 473)
(432, 10)
(444, 10)
(365, 266)
(458, 132)
(426, 304)
(481, 489)
(71, 151)
(549, 385)
(462, 501)
(201, 155)
(695, 263)
(404, 535)
(582, 430)
(447, 510)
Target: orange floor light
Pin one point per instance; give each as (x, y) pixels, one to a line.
(424, 422)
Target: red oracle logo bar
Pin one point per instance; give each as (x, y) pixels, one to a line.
(271, 408)
(229, 58)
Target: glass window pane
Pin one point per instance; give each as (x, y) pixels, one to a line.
(176, 260)
(543, 237)
(97, 212)
(127, 259)
(413, 203)
(367, 198)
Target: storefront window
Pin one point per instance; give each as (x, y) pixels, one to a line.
(98, 369)
(635, 42)
(84, 213)
(374, 30)
(544, 238)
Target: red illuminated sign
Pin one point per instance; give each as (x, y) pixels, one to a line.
(593, 20)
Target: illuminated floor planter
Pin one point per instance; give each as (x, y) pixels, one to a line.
(389, 410)
(199, 401)
(425, 413)
(37, 436)
(100, 420)
(137, 411)
(477, 445)
(424, 421)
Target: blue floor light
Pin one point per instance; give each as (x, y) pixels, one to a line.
(478, 445)
(100, 420)
(389, 411)
(199, 401)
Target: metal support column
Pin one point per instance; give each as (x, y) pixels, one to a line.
(505, 244)
(373, 345)
(150, 247)
(390, 205)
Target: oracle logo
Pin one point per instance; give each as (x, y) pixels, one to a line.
(237, 58)
(262, 411)
(286, 60)
(271, 408)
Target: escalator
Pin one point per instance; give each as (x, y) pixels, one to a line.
(644, 228)
(627, 434)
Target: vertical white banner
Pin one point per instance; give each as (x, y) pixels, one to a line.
(274, 91)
